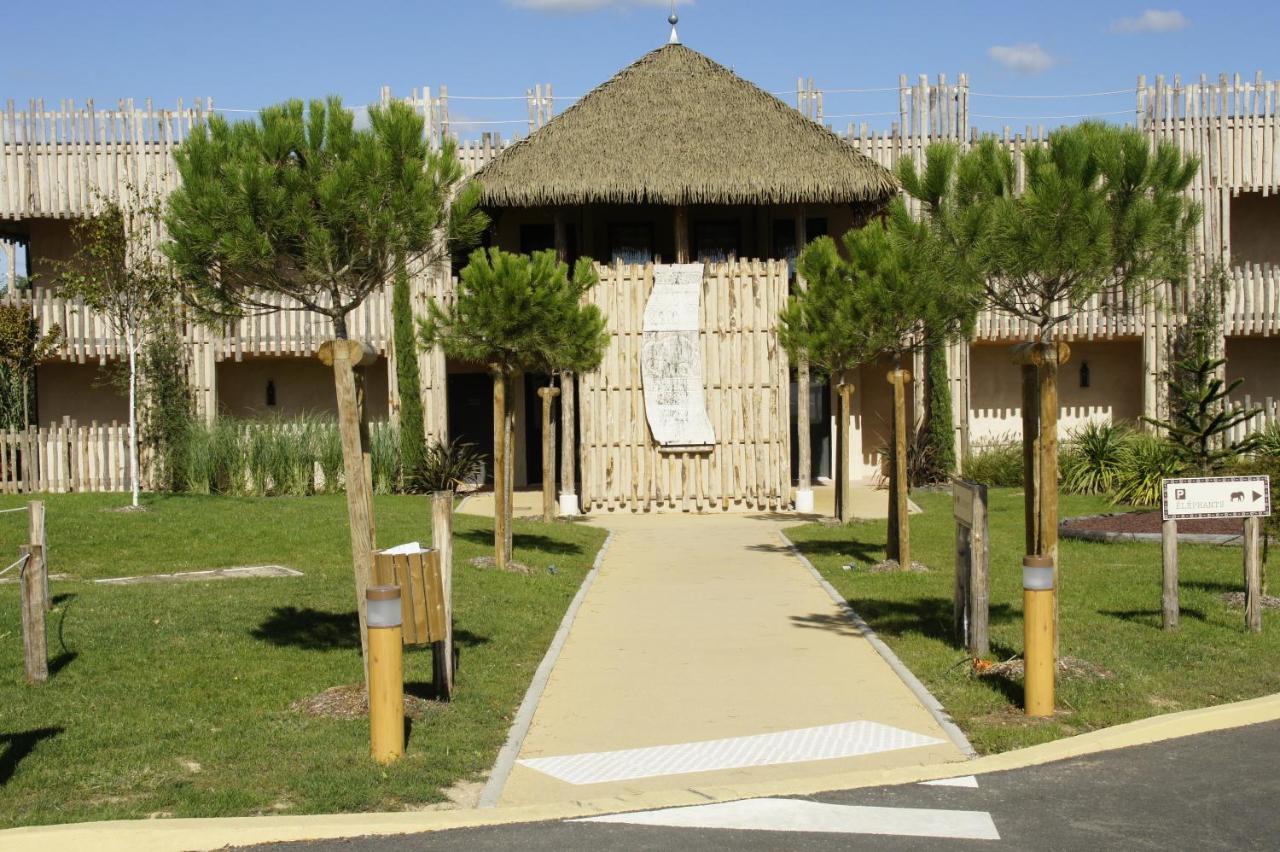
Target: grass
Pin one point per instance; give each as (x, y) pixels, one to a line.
(173, 699)
(1109, 616)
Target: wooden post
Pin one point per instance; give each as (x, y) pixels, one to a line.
(568, 496)
(442, 541)
(512, 449)
(804, 458)
(899, 524)
(36, 535)
(548, 396)
(971, 601)
(1052, 355)
(682, 233)
(568, 444)
(1030, 457)
(35, 647)
(1252, 574)
(844, 479)
(500, 483)
(1169, 562)
(348, 358)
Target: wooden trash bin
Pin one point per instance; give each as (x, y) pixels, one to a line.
(416, 570)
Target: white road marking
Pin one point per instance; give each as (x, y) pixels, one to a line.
(826, 742)
(799, 815)
(962, 781)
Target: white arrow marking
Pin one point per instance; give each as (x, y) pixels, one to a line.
(962, 781)
(798, 815)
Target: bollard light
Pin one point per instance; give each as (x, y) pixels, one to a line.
(386, 673)
(383, 606)
(1037, 652)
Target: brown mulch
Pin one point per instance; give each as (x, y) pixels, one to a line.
(891, 566)
(1149, 522)
(1235, 600)
(1013, 669)
(352, 702)
(513, 567)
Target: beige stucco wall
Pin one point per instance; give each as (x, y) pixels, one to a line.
(303, 385)
(1114, 392)
(1257, 361)
(83, 392)
(1255, 228)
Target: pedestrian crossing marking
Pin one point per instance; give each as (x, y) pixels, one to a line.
(825, 742)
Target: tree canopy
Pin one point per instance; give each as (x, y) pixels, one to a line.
(521, 312)
(1100, 209)
(873, 300)
(303, 204)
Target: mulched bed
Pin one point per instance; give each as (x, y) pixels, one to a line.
(1235, 600)
(1014, 669)
(1149, 522)
(352, 702)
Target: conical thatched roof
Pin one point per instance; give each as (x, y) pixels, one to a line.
(678, 128)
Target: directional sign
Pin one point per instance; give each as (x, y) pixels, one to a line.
(1217, 497)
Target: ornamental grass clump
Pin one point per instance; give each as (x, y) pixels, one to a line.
(1093, 457)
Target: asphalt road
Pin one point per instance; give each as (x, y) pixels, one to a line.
(1211, 791)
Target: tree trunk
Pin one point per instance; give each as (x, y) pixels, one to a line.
(501, 520)
(548, 454)
(568, 443)
(131, 343)
(899, 535)
(344, 356)
(1052, 355)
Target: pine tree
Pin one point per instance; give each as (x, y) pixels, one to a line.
(866, 304)
(518, 313)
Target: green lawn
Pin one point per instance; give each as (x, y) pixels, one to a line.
(1110, 616)
(174, 699)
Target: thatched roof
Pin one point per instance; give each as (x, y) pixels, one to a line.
(678, 128)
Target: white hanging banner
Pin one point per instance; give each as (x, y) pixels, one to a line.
(671, 364)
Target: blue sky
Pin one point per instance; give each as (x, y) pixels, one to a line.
(247, 54)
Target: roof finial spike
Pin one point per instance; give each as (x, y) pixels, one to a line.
(673, 19)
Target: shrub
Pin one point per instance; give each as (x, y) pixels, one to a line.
(443, 467)
(1267, 442)
(1092, 457)
(1144, 461)
(996, 464)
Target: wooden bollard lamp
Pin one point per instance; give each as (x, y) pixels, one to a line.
(1038, 628)
(386, 673)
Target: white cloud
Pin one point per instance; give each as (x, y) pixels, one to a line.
(1027, 58)
(572, 6)
(1152, 21)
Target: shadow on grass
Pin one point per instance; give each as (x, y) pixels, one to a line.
(18, 746)
(317, 630)
(857, 550)
(309, 629)
(928, 617)
(1211, 586)
(1151, 617)
(521, 541)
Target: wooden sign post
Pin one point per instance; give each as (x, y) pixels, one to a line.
(348, 358)
(1247, 497)
(971, 602)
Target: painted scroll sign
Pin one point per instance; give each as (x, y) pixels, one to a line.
(671, 364)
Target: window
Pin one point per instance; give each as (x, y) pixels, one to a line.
(631, 242)
(715, 242)
(537, 237)
(1255, 228)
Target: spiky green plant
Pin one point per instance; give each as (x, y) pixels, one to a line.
(1092, 457)
(1145, 461)
(444, 466)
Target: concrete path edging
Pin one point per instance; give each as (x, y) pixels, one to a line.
(524, 716)
(908, 677)
(176, 835)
